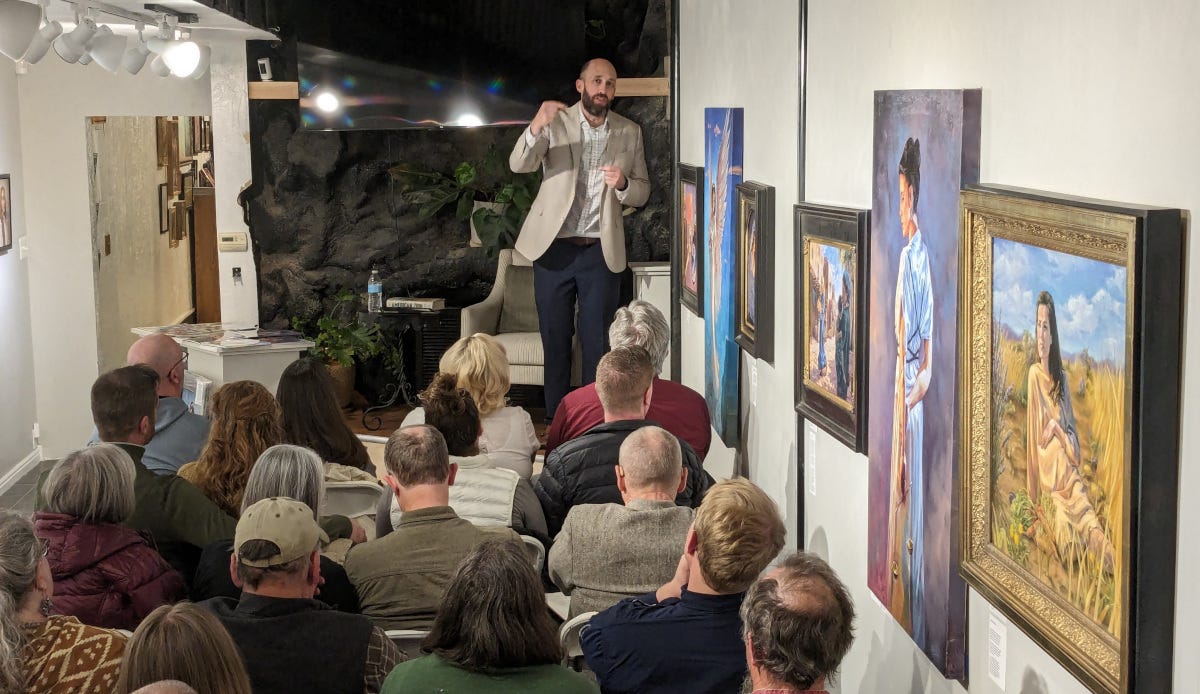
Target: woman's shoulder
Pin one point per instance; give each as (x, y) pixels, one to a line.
(62, 632)
(189, 471)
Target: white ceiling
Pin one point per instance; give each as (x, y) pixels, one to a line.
(210, 25)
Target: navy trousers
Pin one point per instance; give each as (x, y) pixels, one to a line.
(567, 273)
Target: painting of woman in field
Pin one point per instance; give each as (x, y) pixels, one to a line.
(1058, 421)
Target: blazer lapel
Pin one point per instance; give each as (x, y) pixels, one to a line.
(574, 137)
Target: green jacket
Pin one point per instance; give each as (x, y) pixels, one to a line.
(431, 674)
(169, 508)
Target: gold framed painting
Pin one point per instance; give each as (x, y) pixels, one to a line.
(1071, 311)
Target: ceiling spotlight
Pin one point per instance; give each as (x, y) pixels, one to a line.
(202, 66)
(107, 49)
(135, 56)
(18, 25)
(328, 102)
(182, 58)
(71, 47)
(159, 66)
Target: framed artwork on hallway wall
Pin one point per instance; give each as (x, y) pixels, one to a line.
(722, 358)
(5, 212)
(926, 147)
(689, 245)
(164, 209)
(1070, 387)
(755, 306)
(831, 318)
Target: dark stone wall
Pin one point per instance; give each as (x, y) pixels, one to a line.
(323, 209)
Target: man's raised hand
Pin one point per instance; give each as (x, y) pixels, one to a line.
(546, 113)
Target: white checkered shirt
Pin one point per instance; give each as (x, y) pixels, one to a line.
(583, 219)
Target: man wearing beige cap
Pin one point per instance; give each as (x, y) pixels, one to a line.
(289, 641)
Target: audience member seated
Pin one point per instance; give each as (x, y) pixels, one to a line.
(245, 422)
(677, 408)
(492, 634)
(187, 645)
(105, 574)
(179, 435)
(482, 493)
(606, 552)
(481, 367)
(166, 687)
(400, 578)
(581, 471)
(284, 471)
(311, 418)
(799, 623)
(689, 631)
(179, 517)
(41, 653)
(289, 641)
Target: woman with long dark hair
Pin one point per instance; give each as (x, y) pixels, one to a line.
(311, 417)
(492, 633)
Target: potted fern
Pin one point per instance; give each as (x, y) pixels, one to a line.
(339, 339)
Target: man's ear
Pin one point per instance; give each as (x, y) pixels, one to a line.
(621, 484)
(689, 546)
(453, 472)
(579, 86)
(392, 484)
(233, 574)
(648, 396)
(682, 481)
(146, 426)
(314, 569)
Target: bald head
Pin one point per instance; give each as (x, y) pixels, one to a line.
(165, 356)
(650, 465)
(597, 65)
(597, 86)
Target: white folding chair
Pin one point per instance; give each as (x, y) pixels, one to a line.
(352, 499)
(375, 446)
(568, 635)
(537, 551)
(408, 640)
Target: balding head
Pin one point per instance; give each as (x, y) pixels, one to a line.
(595, 65)
(651, 464)
(165, 356)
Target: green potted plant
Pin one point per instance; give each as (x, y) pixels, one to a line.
(340, 338)
(493, 198)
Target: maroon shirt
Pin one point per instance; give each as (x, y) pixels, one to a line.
(675, 407)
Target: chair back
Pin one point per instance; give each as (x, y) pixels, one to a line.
(352, 499)
(537, 552)
(568, 635)
(408, 640)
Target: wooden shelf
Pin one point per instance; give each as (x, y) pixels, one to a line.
(643, 86)
(274, 90)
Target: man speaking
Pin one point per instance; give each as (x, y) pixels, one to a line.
(593, 163)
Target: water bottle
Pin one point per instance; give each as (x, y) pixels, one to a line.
(374, 292)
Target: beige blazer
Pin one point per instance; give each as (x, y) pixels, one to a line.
(559, 156)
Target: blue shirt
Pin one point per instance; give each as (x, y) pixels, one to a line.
(692, 643)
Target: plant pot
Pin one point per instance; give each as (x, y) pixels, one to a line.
(496, 207)
(343, 384)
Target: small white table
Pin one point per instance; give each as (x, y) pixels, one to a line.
(263, 363)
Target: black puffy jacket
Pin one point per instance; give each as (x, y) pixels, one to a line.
(580, 471)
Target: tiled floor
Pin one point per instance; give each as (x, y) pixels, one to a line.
(20, 496)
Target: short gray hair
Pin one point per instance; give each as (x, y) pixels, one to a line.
(641, 324)
(295, 472)
(651, 457)
(93, 484)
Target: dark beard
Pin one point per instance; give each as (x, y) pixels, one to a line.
(593, 108)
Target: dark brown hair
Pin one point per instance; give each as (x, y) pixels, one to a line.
(910, 167)
(493, 614)
(800, 624)
(310, 415)
(121, 397)
(417, 455)
(452, 411)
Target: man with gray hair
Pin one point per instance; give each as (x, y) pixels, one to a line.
(400, 577)
(606, 552)
(798, 622)
(679, 409)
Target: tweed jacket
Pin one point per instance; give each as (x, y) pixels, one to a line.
(558, 149)
(607, 552)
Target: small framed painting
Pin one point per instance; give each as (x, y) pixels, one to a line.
(831, 318)
(5, 212)
(164, 209)
(755, 270)
(689, 245)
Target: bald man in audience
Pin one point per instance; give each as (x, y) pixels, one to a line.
(798, 622)
(580, 471)
(400, 578)
(178, 434)
(606, 552)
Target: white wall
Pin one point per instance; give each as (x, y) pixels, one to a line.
(1091, 98)
(53, 99)
(143, 280)
(17, 400)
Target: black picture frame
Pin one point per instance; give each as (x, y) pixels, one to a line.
(187, 181)
(817, 227)
(690, 227)
(755, 289)
(164, 209)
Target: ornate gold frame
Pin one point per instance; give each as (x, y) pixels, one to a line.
(1112, 234)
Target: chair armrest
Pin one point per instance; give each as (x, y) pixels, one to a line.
(483, 317)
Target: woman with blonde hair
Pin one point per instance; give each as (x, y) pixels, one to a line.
(245, 422)
(105, 574)
(480, 367)
(186, 644)
(43, 653)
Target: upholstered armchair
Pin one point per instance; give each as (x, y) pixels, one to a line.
(510, 315)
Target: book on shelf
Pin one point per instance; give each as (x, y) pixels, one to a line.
(416, 303)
